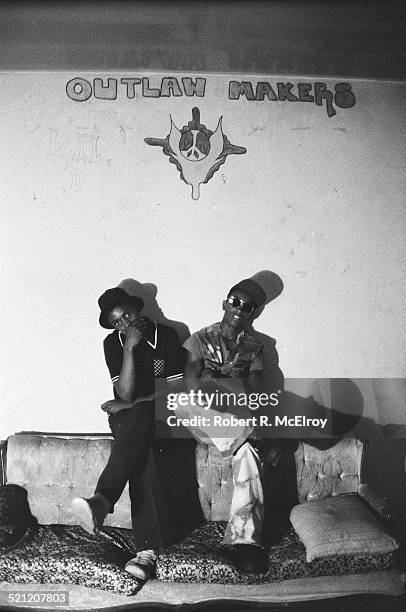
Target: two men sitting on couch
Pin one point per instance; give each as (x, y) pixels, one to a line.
(140, 350)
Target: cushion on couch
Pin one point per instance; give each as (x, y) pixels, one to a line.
(59, 554)
(62, 554)
(340, 525)
(51, 469)
(202, 558)
(328, 467)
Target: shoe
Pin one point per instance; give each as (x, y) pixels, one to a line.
(251, 558)
(91, 512)
(142, 566)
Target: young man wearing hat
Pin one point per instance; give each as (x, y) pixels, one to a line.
(136, 352)
(218, 355)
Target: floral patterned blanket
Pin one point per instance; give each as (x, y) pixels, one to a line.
(202, 558)
(60, 554)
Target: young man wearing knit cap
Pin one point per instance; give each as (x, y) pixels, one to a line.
(228, 355)
(136, 352)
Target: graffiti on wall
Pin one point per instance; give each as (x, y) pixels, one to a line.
(196, 151)
(82, 150)
(319, 93)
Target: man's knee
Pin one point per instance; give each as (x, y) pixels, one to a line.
(138, 419)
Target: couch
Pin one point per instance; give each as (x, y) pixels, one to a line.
(54, 468)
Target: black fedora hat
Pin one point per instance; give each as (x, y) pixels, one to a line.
(113, 297)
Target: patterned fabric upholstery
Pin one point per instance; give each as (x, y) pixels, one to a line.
(332, 470)
(202, 558)
(58, 554)
(329, 471)
(55, 469)
(50, 468)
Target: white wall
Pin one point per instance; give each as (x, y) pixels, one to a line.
(86, 203)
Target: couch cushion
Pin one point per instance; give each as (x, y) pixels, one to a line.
(32, 553)
(56, 468)
(202, 558)
(340, 525)
(328, 467)
(59, 554)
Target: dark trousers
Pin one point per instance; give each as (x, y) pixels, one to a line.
(131, 459)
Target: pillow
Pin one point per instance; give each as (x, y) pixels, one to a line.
(339, 525)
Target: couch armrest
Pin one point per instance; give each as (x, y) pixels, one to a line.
(380, 504)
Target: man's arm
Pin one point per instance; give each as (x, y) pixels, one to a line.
(116, 405)
(120, 361)
(193, 371)
(274, 376)
(256, 381)
(265, 375)
(125, 384)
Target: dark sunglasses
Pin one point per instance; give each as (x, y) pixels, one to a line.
(235, 302)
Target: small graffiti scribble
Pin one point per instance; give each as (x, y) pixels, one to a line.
(85, 149)
(79, 151)
(196, 151)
